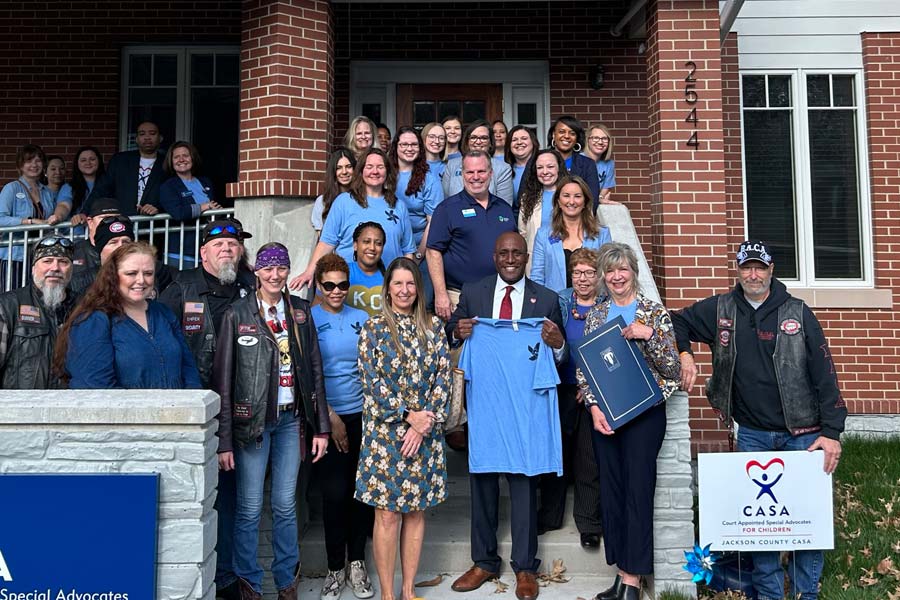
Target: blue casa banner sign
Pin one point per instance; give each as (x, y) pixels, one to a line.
(78, 537)
(754, 501)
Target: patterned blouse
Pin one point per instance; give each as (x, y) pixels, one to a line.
(659, 351)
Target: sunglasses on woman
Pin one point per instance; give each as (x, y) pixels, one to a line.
(329, 286)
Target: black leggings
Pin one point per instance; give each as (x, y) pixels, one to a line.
(347, 521)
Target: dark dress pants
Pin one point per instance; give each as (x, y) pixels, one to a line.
(523, 521)
(226, 499)
(579, 466)
(347, 520)
(626, 461)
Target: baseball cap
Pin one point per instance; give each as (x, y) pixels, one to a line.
(104, 207)
(223, 228)
(751, 250)
(112, 227)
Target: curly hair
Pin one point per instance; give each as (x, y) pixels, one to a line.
(329, 263)
(420, 164)
(532, 190)
(103, 296)
(358, 186)
(573, 124)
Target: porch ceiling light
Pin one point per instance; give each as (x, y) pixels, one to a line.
(595, 77)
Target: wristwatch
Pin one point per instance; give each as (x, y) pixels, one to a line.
(419, 255)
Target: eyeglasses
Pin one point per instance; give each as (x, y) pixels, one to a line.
(50, 241)
(479, 138)
(587, 274)
(598, 139)
(329, 286)
(436, 138)
(408, 145)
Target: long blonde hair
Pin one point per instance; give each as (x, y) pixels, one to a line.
(420, 317)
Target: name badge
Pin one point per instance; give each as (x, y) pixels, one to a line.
(468, 213)
(187, 194)
(324, 327)
(242, 411)
(29, 314)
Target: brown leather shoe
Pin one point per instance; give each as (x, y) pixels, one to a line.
(526, 586)
(472, 579)
(290, 592)
(246, 590)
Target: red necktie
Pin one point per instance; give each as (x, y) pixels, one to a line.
(506, 304)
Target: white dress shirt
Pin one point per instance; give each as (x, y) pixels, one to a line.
(517, 296)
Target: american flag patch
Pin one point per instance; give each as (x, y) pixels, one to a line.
(31, 311)
(193, 307)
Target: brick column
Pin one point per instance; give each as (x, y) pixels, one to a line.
(691, 256)
(287, 98)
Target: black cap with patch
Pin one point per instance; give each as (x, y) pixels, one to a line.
(754, 250)
(103, 207)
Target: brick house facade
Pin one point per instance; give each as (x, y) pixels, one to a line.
(63, 70)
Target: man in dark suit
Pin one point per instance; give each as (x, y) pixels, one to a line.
(133, 177)
(506, 295)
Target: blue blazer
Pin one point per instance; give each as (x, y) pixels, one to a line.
(120, 181)
(587, 170)
(548, 259)
(176, 199)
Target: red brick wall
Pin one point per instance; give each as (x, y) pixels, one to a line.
(60, 65)
(571, 36)
(286, 97)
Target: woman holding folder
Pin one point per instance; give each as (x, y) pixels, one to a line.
(626, 457)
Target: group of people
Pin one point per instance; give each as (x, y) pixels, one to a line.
(360, 381)
(145, 181)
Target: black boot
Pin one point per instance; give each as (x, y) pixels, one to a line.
(612, 592)
(630, 592)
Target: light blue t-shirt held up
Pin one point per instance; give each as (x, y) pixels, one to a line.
(511, 399)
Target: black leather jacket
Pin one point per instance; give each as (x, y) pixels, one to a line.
(245, 372)
(27, 335)
(198, 327)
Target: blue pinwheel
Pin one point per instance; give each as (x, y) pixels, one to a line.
(699, 564)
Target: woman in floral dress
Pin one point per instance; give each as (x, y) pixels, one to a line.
(405, 370)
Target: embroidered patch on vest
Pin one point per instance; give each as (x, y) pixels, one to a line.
(29, 314)
(244, 328)
(790, 326)
(300, 317)
(726, 324)
(766, 336)
(248, 340)
(192, 322)
(724, 338)
(243, 411)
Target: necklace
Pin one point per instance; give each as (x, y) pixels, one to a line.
(575, 314)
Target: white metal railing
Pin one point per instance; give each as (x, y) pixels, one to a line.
(159, 230)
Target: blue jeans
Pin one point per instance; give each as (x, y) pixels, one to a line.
(805, 566)
(281, 444)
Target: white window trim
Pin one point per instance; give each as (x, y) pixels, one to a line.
(802, 170)
(385, 75)
(182, 83)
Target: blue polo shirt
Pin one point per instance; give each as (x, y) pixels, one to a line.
(465, 233)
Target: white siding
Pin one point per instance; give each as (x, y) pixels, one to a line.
(811, 34)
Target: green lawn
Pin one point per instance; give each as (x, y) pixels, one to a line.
(865, 564)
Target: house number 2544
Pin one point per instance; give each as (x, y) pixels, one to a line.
(690, 96)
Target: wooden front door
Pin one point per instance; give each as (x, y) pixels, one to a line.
(418, 104)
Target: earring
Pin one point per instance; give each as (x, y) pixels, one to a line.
(552, 143)
(577, 147)
(354, 256)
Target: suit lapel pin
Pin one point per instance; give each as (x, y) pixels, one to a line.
(533, 300)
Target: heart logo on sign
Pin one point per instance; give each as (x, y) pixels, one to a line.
(765, 475)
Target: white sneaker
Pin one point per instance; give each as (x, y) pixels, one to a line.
(359, 580)
(334, 585)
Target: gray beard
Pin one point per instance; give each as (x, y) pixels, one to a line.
(227, 274)
(53, 295)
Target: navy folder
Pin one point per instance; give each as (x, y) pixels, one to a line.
(618, 375)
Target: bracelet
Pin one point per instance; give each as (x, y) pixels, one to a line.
(683, 352)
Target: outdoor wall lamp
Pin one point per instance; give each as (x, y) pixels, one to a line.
(595, 77)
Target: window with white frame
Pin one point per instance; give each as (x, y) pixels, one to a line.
(193, 94)
(805, 187)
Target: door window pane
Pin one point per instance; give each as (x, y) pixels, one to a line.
(472, 111)
(202, 69)
(527, 114)
(140, 69)
(842, 85)
(818, 92)
(449, 108)
(165, 69)
(216, 113)
(754, 88)
(228, 69)
(779, 91)
(373, 111)
(423, 112)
